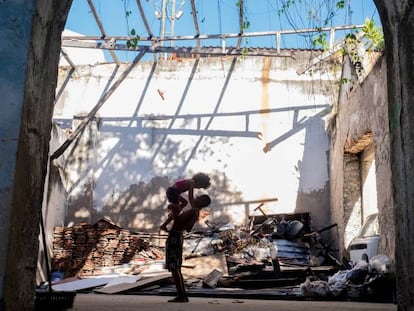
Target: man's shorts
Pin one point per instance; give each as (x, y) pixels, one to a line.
(174, 250)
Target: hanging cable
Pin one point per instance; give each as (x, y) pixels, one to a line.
(219, 16)
(348, 13)
(203, 16)
(269, 23)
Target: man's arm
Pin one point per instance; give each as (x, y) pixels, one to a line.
(174, 212)
(191, 196)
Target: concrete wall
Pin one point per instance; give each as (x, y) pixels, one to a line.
(362, 121)
(16, 21)
(253, 124)
(29, 54)
(16, 28)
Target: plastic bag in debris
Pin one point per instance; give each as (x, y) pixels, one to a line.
(358, 273)
(337, 282)
(315, 288)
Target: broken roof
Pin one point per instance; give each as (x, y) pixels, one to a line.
(153, 27)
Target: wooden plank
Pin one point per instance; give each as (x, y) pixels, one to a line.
(82, 283)
(123, 287)
(122, 279)
(263, 283)
(204, 265)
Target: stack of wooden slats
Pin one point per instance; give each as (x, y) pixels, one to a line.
(86, 249)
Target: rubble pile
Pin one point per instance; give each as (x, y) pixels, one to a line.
(279, 255)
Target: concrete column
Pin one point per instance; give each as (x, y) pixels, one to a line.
(15, 34)
(29, 53)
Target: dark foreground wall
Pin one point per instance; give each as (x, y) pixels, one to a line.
(30, 36)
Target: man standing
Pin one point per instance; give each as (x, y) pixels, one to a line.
(183, 221)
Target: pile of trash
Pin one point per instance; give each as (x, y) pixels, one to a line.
(371, 280)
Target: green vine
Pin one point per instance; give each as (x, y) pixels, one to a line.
(340, 4)
(320, 41)
(286, 5)
(132, 43)
(244, 26)
(372, 39)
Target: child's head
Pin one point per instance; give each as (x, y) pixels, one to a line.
(201, 180)
(202, 200)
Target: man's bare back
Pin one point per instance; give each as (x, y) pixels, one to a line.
(186, 220)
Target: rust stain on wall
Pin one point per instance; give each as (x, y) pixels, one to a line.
(267, 62)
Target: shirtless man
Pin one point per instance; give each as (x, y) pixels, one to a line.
(175, 192)
(183, 221)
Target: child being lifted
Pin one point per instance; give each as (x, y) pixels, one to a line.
(175, 191)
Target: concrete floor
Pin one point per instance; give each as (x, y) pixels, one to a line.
(100, 302)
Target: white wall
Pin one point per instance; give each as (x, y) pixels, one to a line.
(79, 56)
(218, 116)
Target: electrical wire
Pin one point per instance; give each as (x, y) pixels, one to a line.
(269, 23)
(125, 4)
(219, 16)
